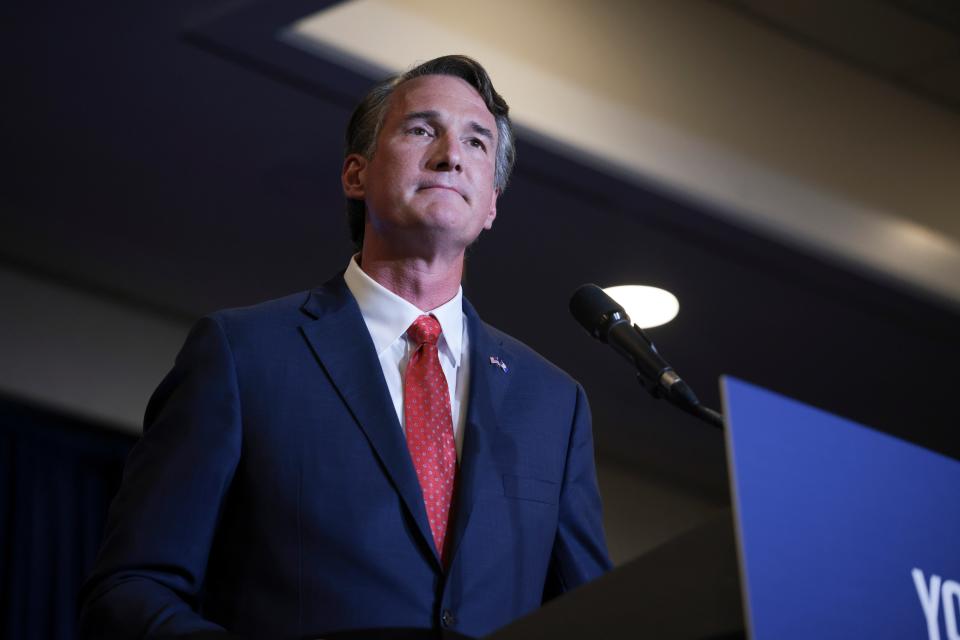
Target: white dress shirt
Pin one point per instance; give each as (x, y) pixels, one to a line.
(388, 316)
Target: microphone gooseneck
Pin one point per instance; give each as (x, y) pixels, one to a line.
(606, 320)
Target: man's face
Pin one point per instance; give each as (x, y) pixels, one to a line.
(430, 182)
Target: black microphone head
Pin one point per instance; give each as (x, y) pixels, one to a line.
(596, 311)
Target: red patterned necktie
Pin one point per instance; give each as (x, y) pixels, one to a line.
(429, 426)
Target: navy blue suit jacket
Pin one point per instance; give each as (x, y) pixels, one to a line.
(272, 492)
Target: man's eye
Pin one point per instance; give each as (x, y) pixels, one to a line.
(477, 143)
(418, 131)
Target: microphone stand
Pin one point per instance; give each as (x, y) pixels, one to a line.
(671, 387)
(681, 396)
(710, 416)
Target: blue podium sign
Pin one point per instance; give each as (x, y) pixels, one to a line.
(843, 532)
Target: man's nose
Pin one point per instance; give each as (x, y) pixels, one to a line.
(446, 154)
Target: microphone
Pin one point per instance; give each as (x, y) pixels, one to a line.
(606, 321)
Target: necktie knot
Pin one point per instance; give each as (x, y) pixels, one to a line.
(424, 330)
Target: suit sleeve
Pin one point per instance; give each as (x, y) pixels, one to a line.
(150, 570)
(580, 549)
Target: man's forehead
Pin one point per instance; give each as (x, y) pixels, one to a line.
(440, 94)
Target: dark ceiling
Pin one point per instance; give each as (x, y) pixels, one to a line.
(177, 157)
(913, 44)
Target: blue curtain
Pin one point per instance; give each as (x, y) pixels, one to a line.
(57, 477)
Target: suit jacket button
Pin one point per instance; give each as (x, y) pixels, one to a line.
(447, 618)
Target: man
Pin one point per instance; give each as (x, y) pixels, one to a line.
(368, 454)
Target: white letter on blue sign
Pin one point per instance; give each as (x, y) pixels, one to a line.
(929, 600)
(951, 592)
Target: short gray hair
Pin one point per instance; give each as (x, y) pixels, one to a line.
(367, 120)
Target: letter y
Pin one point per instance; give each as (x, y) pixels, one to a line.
(929, 600)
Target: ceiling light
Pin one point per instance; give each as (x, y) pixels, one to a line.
(646, 306)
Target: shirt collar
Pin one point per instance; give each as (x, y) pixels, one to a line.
(388, 316)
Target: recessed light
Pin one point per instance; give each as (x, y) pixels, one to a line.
(646, 306)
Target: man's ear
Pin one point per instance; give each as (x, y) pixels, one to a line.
(353, 176)
(492, 215)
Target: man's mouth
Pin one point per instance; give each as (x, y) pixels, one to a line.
(443, 187)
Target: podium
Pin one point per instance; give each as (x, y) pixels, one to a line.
(686, 588)
(836, 531)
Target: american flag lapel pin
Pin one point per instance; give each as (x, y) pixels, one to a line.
(494, 360)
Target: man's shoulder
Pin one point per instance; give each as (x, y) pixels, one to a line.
(284, 310)
(291, 309)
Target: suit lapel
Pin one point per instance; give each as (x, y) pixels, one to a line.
(488, 383)
(341, 342)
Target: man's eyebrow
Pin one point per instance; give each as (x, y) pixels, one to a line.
(481, 130)
(421, 115)
(476, 127)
